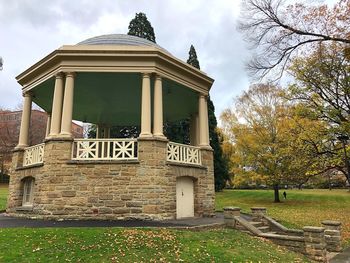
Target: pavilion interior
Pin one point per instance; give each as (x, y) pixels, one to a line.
(114, 99)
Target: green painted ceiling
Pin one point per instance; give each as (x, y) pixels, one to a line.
(115, 98)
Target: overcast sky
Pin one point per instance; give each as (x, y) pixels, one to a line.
(31, 29)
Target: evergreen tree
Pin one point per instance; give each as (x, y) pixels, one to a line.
(192, 59)
(178, 131)
(221, 173)
(141, 27)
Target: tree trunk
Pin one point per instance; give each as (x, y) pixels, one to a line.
(277, 194)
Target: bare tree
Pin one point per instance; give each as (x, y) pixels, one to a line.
(278, 32)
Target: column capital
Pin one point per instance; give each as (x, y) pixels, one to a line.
(70, 74)
(27, 94)
(146, 74)
(205, 96)
(157, 76)
(59, 75)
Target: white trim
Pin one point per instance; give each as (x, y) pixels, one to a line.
(182, 153)
(104, 149)
(33, 154)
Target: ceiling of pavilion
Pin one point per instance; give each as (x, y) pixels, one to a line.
(115, 98)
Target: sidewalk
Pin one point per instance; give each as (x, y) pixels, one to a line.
(343, 257)
(10, 222)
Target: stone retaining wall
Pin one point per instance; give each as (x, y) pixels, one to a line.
(143, 189)
(314, 242)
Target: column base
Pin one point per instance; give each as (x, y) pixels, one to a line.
(62, 136)
(146, 135)
(160, 137)
(21, 146)
(205, 147)
(51, 136)
(65, 135)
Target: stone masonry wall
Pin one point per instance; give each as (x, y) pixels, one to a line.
(143, 189)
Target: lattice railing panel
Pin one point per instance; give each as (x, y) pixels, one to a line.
(33, 155)
(182, 153)
(104, 149)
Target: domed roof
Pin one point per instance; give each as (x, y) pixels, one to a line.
(120, 40)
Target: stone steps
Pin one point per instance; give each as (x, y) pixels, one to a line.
(264, 229)
(256, 224)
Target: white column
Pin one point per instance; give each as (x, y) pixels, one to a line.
(56, 114)
(203, 121)
(194, 129)
(158, 108)
(48, 125)
(146, 106)
(67, 114)
(23, 140)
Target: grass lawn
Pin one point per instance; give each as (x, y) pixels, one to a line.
(3, 196)
(302, 207)
(137, 245)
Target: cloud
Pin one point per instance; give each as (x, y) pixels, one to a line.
(34, 28)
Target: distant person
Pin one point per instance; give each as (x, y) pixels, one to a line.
(285, 195)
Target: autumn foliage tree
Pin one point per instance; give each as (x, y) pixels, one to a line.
(322, 82)
(269, 139)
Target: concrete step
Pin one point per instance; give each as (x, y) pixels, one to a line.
(257, 224)
(264, 229)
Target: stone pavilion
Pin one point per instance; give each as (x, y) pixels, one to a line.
(113, 80)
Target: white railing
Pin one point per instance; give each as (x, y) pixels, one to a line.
(104, 149)
(181, 153)
(33, 154)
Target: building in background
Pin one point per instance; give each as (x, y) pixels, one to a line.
(10, 122)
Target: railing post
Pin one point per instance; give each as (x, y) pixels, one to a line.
(332, 235)
(229, 216)
(315, 244)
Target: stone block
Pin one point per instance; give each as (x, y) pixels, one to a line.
(133, 204)
(69, 193)
(332, 233)
(92, 199)
(113, 203)
(150, 209)
(126, 197)
(121, 211)
(105, 197)
(53, 195)
(136, 210)
(105, 210)
(230, 212)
